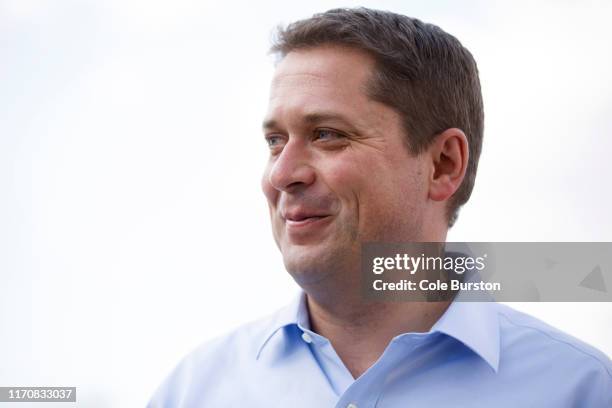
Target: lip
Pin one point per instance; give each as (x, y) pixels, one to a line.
(304, 222)
(303, 230)
(302, 213)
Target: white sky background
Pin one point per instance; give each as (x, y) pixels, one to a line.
(132, 226)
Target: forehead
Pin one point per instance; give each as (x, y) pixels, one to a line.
(321, 78)
(334, 63)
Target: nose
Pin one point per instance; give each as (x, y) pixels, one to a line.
(291, 170)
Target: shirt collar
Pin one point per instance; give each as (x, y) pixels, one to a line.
(474, 324)
(292, 314)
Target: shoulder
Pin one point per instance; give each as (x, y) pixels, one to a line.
(530, 346)
(205, 367)
(518, 327)
(243, 341)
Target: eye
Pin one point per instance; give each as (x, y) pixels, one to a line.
(274, 140)
(327, 135)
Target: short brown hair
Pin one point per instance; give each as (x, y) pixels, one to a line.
(422, 72)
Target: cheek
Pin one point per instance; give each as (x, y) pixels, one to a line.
(386, 192)
(344, 179)
(355, 178)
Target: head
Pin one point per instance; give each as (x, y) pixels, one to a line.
(374, 125)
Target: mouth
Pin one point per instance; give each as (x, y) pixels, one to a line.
(298, 221)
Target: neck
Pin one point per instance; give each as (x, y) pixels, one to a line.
(360, 331)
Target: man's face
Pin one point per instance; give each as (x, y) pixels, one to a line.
(339, 172)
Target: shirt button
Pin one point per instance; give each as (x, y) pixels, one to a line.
(306, 337)
(351, 405)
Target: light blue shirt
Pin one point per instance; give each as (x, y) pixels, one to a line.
(476, 355)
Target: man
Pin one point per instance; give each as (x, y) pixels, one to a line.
(374, 127)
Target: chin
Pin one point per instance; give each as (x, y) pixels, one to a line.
(313, 264)
(307, 265)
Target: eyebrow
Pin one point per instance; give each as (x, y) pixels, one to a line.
(311, 118)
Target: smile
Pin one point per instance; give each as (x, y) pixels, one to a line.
(306, 221)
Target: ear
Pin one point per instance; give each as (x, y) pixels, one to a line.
(449, 155)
